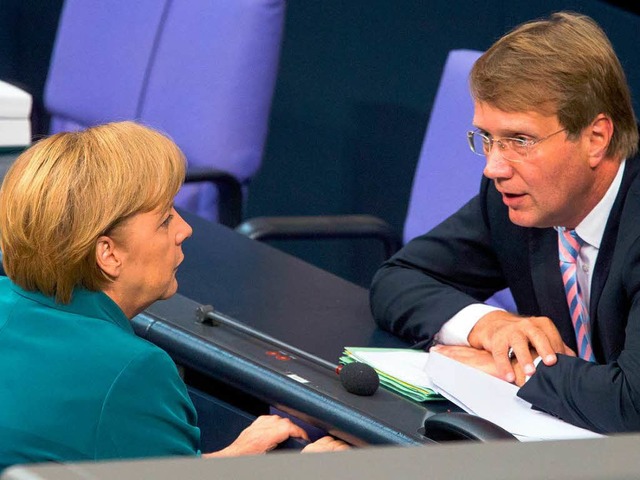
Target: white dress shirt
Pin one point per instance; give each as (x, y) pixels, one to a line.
(591, 229)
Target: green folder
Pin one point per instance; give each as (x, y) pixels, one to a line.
(401, 370)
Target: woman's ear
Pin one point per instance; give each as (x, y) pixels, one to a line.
(600, 134)
(108, 257)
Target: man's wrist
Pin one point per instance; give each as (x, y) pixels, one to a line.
(457, 329)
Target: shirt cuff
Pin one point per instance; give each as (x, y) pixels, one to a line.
(456, 330)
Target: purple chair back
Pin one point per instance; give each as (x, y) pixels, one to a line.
(448, 173)
(202, 71)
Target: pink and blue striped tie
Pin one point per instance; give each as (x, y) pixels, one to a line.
(569, 246)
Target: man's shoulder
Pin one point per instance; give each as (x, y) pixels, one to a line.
(632, 171)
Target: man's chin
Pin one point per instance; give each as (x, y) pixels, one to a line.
(526, 219)
(521, 219)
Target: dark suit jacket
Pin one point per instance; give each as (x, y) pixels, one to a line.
(478, 251)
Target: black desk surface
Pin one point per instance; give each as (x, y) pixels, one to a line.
(277, 293)
(296, 303)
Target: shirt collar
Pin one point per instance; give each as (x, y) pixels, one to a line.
(591, 228)
(83, 302)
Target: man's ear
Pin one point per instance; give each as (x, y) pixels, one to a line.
(108, 257)
(600, 134)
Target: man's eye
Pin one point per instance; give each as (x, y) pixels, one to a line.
(517, 142)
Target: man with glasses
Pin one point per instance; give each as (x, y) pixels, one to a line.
(557, 220)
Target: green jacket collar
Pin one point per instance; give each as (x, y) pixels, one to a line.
(83, 302)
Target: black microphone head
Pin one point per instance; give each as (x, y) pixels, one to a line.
(359, 378)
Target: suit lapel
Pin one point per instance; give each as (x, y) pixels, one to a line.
(607, 245)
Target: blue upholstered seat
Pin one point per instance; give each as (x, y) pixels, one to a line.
(203, 71)
(448, 173)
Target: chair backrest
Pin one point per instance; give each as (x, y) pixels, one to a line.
(448, 173)
(203, 71)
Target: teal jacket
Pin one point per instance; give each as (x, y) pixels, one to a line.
(76, 383)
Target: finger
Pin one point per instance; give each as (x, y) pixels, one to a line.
(280, 427)
(544, 348)
(298, 432)
(289, 429)
(522, 352)
(324, 440)
(294, 430)
(544, 339)
(550, 331)
(569, 352)
(336, 445)
(326, 444)
(501, 358)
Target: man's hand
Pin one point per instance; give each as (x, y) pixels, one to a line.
(480, 359)
(263, 435)
(477, 358)
(498, 331)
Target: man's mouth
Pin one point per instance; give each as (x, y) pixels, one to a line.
(513, 200)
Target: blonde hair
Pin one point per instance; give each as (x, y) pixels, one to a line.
(67, 190)
(562, 65)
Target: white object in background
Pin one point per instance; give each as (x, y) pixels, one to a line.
(15, 116)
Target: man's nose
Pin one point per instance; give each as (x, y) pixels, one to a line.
(497, 166)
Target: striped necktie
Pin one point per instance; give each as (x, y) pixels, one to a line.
(569, 244)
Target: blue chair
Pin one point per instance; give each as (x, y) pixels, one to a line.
(202, 71)
(447, 176)
(447, 173)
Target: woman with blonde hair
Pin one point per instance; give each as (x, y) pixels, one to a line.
(90, 239)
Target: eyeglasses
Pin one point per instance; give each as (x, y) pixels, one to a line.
(511, 149)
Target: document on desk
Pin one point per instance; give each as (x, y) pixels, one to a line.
(400, 370)
(495, 400)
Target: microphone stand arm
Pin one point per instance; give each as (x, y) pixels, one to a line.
(206, 314)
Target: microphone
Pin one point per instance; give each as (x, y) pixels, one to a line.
(357, 378)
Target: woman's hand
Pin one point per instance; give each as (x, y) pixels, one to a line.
(326, 444)
(263, 435)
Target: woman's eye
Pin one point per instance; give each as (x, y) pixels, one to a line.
(166, 221)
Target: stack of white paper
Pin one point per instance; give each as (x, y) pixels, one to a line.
(495, 400)
(15, 113)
